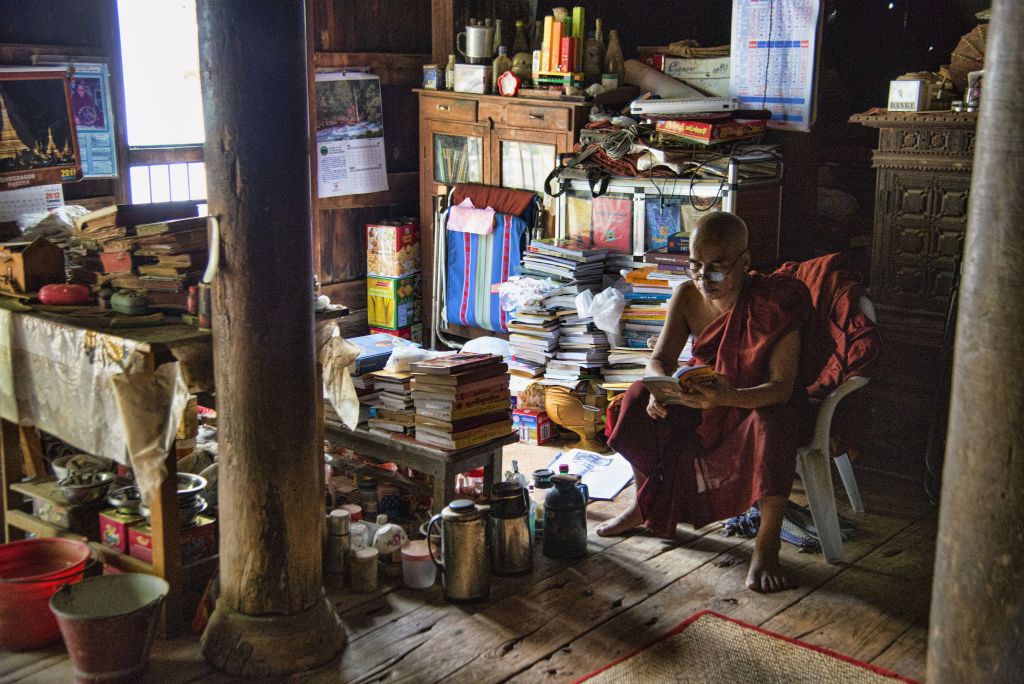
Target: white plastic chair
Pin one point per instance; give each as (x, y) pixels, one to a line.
(812, 464)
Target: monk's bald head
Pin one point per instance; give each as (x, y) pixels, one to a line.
(721, 229)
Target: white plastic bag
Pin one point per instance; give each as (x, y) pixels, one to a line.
(606, 310)
(404, 354)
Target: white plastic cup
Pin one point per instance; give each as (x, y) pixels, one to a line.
(418, 570)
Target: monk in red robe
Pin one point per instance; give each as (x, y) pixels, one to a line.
(734, 441)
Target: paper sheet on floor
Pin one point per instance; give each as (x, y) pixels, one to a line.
(604, 474)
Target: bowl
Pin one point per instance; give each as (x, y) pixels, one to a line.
(185, 514)
(65, 465)
(189, 487)
(126, 499)
(85, 487)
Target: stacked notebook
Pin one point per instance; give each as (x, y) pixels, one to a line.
(393, 411)
(461, 400)
(577, 265)
(625, 366)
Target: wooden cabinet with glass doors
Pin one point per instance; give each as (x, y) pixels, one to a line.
(489, 139)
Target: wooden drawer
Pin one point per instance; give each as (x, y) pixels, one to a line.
(448, 108)
(548, 118)
(494, 111)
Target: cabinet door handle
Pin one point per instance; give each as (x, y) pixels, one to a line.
(443, 108)
(536, 117)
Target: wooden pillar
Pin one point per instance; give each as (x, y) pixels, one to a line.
(977, 613)
(272, 617)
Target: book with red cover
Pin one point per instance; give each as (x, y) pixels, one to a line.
(710, 132)
(612, 223)
(116, 262)
(462, 424)
(454, 363)
(463, 392)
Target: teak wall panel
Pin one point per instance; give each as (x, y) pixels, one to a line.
(372, 25)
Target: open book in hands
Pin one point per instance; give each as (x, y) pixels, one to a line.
(669, 389)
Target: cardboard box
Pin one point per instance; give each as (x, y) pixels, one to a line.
(534, 426)
(393, 248)
(473, 78)
(412, 332)
(710, 75)
(393, 303)
(114, 528)
(198, 541)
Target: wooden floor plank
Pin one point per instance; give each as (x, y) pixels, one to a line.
(864, 610)
(908, 654)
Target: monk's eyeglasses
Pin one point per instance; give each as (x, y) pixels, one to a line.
(712, 275)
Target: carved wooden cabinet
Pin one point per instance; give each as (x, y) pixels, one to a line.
(924, 174)
(924, 164)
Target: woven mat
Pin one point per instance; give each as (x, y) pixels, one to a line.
(709, 647)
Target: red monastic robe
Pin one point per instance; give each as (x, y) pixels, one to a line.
(703, 466)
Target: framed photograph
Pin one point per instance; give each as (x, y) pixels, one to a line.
(38, 137)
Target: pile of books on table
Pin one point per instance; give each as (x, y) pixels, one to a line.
(161, 248)
(461, 400)
(368, 378)
(582, 350)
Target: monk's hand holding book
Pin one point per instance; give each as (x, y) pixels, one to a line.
(693, 386)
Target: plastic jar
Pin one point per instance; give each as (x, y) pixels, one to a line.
(418, 570)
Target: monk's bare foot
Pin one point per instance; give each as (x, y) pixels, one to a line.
(628, 520)
(766, 574)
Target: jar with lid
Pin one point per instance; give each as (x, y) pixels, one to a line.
(539, 491)
(364, 570)
(418, 571)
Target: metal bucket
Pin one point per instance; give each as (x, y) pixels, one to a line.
(108, 623)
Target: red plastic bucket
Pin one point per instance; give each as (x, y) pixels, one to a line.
(30, 572)
(108, 623)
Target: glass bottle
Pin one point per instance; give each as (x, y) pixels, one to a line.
(613, 60)
(498, 39)
(520, 43)
(449, 73)
(501, 64)
(593, 58)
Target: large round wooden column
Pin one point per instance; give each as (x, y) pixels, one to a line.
(977, 615)
(272, 616)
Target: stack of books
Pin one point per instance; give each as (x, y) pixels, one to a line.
(374, 352)
(533, 339)
(104, 250)
(582, 350)
(461, 400)
(393, 411)
(625, 366)
(576, 265)
(710, 132)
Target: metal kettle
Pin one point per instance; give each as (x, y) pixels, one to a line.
(511, 549)
(465, 564)
(565, 518)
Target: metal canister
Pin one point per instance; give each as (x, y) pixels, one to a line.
(511, 550)
(465, 564)
(565, 518)
(339, 543)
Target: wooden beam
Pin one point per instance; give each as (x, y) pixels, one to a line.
(10, 472)
(165, 155)
(977, 610)
(392, 68)
(22, 54)
(32, 452)
(446, 15)
(272, 617)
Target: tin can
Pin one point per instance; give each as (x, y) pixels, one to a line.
(192, 300)
(204, 306)
(433, 77)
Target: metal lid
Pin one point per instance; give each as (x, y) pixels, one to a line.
(365, 552)
(542, 478)
(507, 490)
(339, 521)
(462, 506)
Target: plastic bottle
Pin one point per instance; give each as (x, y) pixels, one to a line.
(501, 64)
(614, 63)
(449, 74)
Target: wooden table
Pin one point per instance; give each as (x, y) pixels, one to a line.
(442, 466)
